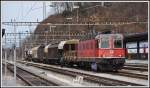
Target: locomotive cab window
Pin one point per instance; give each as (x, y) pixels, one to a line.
(117, 42)
(104, 42)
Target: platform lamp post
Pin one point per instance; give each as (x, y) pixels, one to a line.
(69, 26)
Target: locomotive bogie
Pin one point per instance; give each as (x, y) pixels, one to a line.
(110, 64)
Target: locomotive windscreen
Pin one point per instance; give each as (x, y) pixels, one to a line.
(104, 42)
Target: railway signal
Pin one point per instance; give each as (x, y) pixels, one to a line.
(3, 32)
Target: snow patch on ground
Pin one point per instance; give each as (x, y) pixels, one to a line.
(137, 61)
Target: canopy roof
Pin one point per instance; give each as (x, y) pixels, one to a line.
(107, 35)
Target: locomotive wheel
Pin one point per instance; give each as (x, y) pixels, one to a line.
(71, 64)
(62, 62)
(44, 61)
(100, 68)
(104, 67)
(115, 71)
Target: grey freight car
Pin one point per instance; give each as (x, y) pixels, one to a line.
(38, 53)
(52, 53)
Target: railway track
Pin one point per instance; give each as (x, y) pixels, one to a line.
(137, 65)
(129, 67)
(30, 78)
(88, 77)
(132, 75)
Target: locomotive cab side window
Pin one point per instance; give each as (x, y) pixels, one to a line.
(117, 42)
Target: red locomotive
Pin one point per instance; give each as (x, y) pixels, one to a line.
(105, 52)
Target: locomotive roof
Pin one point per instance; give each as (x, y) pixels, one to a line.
(98, 36)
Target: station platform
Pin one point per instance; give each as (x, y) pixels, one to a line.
(8, 81)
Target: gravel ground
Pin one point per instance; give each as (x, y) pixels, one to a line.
(107, 75)
(69, 80)
(60, 77)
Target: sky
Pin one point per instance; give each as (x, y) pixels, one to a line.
(24, 11)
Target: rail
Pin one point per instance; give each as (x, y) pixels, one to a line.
(87, 77)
